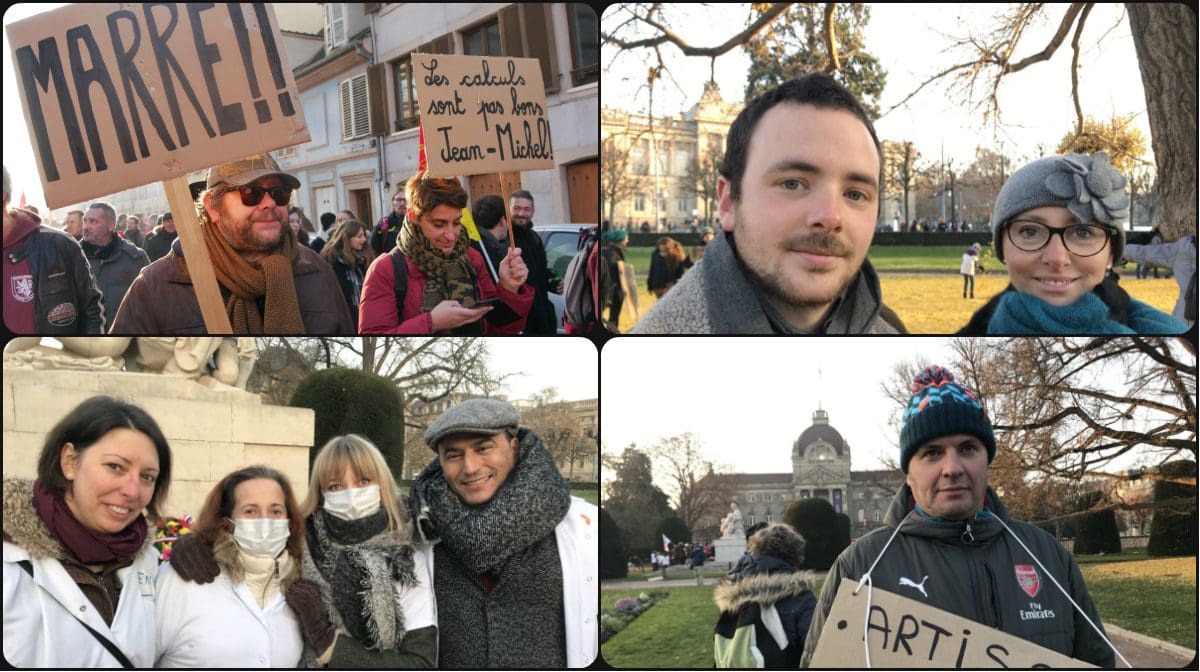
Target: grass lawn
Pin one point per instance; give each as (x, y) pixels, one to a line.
(1155, 597)
(933, 304)
(591, 494)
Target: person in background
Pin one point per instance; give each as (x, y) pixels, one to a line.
(490, 221)
(667, 265)
(115, 261)
(253, 527)
(74, 224)
(542, 318)
(969, 259)
(159, 241)
(350, 256)
(299, 224)
(383, 236)
(1180, 257)
(79, 558)
(317, 243)
(49, 289)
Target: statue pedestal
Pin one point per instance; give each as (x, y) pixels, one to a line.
(210, 432)
(729, 549)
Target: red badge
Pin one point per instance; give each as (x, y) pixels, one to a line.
(1028, 579)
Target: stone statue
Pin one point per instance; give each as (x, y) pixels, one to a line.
(732, 525)
(215, 362)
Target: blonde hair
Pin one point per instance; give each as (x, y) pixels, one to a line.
(367, 462)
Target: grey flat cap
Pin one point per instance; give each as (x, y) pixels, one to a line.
(473, 416)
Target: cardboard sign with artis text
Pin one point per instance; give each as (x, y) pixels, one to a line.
(482, 114)
(905, 633)
(121, 95)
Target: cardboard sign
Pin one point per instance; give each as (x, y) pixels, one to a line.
(121, 95)
(906, 633)
(482, 114)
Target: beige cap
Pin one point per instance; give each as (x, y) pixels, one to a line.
(244, 171)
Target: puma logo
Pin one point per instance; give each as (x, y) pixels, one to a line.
(905, 581)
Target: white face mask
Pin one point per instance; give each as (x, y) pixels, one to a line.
(264, 537)
(354, 503)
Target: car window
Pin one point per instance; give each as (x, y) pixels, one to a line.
(560, 249)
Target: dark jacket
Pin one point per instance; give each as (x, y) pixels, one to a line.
(114, 267)
(383, 234)
(976, 576)
(350, 279)
(660, 276)
(717, 297)
(158, 243)
(162, 301)
(542, 319)
(66, 299)
(762, 583)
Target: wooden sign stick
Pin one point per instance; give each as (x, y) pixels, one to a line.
(512, 242)
(204, 280)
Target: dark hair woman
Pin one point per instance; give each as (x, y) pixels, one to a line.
(251, 523)
(79, 562)
(350, 256)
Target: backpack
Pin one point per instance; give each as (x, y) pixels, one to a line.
(581, 286)
(1189, 296)
(400, 287)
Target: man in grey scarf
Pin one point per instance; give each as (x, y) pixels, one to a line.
(516, 556)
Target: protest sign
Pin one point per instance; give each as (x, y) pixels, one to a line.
(904, 633)
(482, 114)
(121, 95)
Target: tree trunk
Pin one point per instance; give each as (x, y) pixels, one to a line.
(1165, 39)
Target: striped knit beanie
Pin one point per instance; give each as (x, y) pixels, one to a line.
(940, 407)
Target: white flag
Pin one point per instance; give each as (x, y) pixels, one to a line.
(666, 544)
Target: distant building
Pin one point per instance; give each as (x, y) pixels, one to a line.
(820, 468)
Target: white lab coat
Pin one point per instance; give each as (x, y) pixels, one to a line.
(42, 614)
(579, 552)
(220, 624)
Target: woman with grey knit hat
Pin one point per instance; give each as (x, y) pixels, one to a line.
(767, 595)
(1056, 227)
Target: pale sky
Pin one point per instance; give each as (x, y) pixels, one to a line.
(747, 399)
(566, 364)
(910, 42)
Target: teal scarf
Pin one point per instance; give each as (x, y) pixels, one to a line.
(1021, 313)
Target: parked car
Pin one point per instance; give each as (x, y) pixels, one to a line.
(561, 242)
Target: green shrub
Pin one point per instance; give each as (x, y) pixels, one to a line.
(350, 401)
(824, 535)
(1096, 532)
(1173, 531)
(675, 529)
(612, 550)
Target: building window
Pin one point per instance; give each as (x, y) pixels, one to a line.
(483, 40)
(408, 114)
(356, 112)
(585, 46)
(335, 25)
(878, 515)
(753, 520)
(638, 161)
(750, 499)
(683, 159)
(639, 202)
(770, 518)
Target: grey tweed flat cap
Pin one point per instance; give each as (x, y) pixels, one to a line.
(473, 416)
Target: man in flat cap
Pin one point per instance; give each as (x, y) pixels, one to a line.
(269, 283)
(516, 557)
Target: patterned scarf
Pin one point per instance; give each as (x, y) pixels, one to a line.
(448, 275)
(88, 546)
(270, 277)
(358, 563)
(525, 509)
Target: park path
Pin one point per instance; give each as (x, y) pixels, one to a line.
(1142, 651)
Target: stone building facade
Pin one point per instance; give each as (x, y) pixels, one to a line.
(820, 468)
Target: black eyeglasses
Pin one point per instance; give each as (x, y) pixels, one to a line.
(1084, 240)
(252, 196)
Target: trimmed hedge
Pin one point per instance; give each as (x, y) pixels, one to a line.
(351, 401)
(1173, 532)
(612, 550)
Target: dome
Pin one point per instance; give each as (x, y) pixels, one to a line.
(820, 430)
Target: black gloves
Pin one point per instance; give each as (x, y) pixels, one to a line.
(304, 597)
(193, 561)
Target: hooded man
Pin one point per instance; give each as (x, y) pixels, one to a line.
(798, 196)
(947, 539)
(269, 283)
(515, 555)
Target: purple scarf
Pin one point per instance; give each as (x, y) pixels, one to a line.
(88, 547)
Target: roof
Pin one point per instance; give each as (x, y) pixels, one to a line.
(825, 433)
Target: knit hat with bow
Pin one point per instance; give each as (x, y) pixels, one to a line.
(941, 407)
(1088, 186)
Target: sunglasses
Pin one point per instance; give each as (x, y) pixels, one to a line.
(252, 196)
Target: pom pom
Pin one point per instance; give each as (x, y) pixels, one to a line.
(931, 376)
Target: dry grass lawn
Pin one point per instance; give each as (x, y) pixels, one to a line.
(933, 304)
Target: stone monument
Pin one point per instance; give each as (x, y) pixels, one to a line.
(732, 544)
(193, 387)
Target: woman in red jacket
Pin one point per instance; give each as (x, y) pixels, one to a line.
(444, 278)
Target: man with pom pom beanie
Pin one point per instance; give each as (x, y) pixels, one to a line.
(948, 541)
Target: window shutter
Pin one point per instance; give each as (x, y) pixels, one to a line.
(444, 44)
(337, 25)
(362, 109)
(539, 39)
(347, 114)
(377, 93)
(510, 32)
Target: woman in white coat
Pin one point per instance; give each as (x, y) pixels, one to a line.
(79, 562)
(251, 522)
(365, 597)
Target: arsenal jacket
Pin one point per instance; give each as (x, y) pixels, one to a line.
(977, 570)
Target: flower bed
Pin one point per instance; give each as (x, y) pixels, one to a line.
(625, 610)
(167, 531)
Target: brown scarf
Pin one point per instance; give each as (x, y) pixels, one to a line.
(270, 277)
(448, 275)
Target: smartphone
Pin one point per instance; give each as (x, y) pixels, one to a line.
(500, 314)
